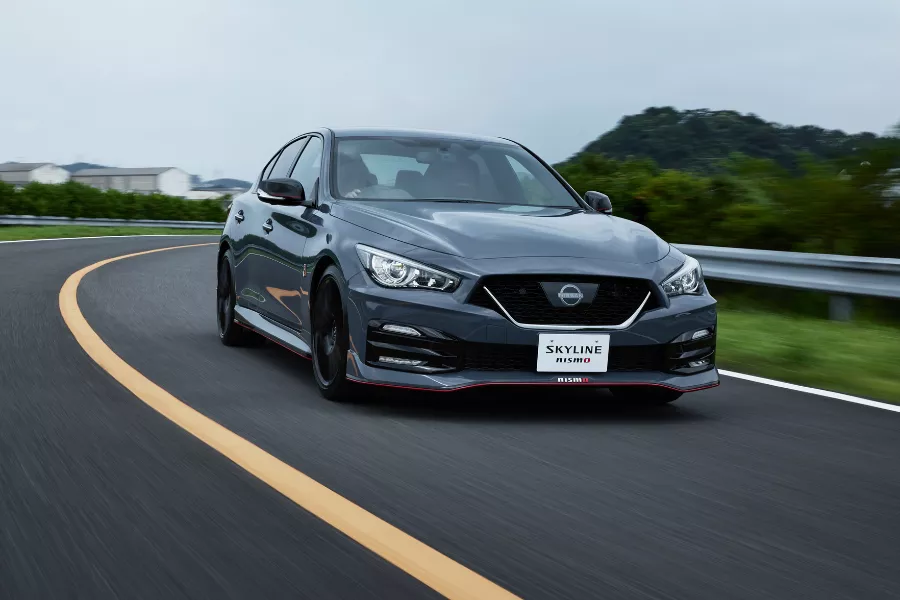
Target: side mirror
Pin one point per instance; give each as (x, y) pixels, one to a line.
(599, 202)
(282, 191)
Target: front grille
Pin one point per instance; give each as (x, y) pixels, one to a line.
(524, 299)
(508, 357)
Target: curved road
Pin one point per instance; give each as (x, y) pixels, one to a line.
(744, 491)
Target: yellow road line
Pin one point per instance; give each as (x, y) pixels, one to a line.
(426, 564)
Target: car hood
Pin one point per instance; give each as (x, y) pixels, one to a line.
(504, 231)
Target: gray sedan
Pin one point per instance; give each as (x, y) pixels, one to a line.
(440, 262)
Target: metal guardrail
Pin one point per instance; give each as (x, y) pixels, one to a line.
(840, 276)
(833, 273)
(32, 220)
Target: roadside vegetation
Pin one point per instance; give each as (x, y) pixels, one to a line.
(843, 207)
(858, 357)
(16, 232)
(719, 178)
(74, 200)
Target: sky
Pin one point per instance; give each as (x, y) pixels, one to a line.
(215, 87)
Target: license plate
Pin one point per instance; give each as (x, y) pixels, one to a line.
(572, 352)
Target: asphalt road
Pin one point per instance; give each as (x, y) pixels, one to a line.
(744, 491)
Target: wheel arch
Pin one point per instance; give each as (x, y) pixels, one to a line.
(224, 247)
(322, 264)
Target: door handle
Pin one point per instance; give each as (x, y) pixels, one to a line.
(239, 217)
(267, 226)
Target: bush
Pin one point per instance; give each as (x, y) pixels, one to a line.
(836, 207)
(74, 200)
(7, 197)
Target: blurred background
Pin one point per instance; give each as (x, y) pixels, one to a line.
(772, 125)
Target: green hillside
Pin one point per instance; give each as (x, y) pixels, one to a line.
(725, 179)
(696, 140)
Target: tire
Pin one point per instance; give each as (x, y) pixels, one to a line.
(330, 337)
(230, 333)
(646, 395)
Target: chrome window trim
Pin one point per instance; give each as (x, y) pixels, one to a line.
(622, 325)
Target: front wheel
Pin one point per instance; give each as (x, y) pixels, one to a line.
(647, 395)
(230, 333)
(330, 337)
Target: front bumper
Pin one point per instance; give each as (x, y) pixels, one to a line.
(471, 346)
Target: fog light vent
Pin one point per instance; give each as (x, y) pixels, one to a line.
(406, 362)
(401, 329)
(698, 363)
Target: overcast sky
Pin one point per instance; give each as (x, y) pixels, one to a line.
(215, 86)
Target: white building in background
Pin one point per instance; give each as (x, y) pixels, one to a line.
(25, 173)
(164, 180)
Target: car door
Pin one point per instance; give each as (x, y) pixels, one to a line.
(255, 264)
(244, 239)
(291, 230)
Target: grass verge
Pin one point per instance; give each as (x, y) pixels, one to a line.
(17, 232)
(855, 358)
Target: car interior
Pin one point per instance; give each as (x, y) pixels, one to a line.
(454, 173)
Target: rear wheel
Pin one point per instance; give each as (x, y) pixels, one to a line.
(647, 395)
(230, 332)
(330, 337)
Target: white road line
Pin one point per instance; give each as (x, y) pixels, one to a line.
(809, 390)
(103, 237)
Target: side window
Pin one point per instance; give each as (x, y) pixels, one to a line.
(268, 169)
(286, 159)
(309, 165)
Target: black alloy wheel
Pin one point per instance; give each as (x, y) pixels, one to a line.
(330, 337)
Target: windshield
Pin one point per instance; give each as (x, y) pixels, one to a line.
(446, 170)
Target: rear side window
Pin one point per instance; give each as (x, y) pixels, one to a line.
(286, 160)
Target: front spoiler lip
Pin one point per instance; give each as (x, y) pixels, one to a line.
(531, 383)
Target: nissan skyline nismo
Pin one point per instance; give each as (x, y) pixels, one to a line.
(439, 261)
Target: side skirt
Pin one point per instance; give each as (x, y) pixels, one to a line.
(261, 325)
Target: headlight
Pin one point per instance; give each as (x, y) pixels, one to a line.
(395, 271)
(686, 280)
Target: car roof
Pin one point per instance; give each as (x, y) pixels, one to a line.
(415, 133)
